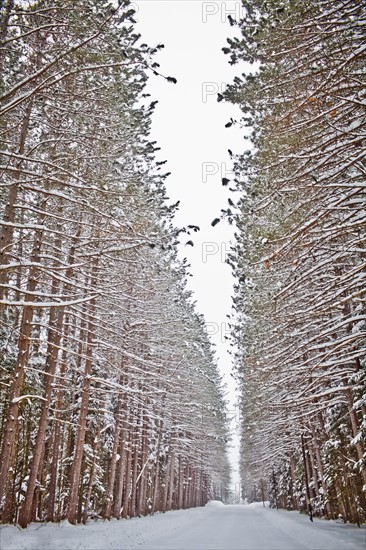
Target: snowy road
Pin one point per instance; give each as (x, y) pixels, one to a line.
(215, 527)
(255, 528)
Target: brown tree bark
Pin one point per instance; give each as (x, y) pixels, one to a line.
(127, 477)
(7, 229)
(180, 482)
(119, 487)
(113, 463)
(10, 427)
(168, 479)
(80, 434)
(134, 468)
(54, 338)
(156, 483)
(56, 441)
(141, 506)
(171, 483)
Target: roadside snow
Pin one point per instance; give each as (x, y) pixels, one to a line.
(96, 535)
(239, 527)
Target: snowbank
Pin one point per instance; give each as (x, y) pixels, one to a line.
(96, 535)
(215, 503)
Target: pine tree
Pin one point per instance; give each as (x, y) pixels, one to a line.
(299, 257)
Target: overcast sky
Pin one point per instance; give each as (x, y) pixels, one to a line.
(189, 126)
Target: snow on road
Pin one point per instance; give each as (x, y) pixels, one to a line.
(216, 526)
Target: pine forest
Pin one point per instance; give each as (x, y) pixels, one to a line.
(112, 403)
(299, 334)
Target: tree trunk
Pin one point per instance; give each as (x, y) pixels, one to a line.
(118, 494)
(180, 483)
(127, 476)
(7, 229)
(135, 463)
(157, 469)
(141, 507)
(113, 464)
(96, 448)
(171, 483)
(57, 430)
(168, 480)
(306, 475)
(80, 435)
(356, 430)
(328, 507)
(11, 422)
(54, 338)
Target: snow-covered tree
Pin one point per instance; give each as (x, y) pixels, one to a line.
(300, 256)
(110, 399)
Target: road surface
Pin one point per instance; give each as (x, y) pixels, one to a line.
(214, 527)
(235, 527)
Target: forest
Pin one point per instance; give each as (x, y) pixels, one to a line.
(111, 403)
(299, 321)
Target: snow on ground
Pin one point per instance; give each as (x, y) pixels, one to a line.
(232, 527)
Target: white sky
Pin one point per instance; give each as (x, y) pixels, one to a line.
(189, 126)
